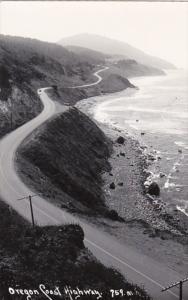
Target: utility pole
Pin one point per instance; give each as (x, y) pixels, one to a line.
(180, 283)
(181, 290)
(31, 207)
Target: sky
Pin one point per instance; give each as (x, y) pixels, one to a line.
(159, 29)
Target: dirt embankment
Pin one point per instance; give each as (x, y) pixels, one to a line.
(69, 153)
(22, 106)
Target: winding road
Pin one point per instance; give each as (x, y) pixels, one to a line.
(96, 74)
(136, 267)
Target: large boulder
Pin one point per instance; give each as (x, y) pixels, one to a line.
(122, 153)
(112, 186)
(154, 189)
(120, 140)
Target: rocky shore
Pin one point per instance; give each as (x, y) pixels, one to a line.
(130, 188)
(134, 201)
(149, 223)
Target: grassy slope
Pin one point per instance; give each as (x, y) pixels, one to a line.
(54, 256)
(72, 159)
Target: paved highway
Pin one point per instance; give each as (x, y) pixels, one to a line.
(136, 267)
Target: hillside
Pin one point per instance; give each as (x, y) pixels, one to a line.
(28, 64)
(115, 47)
(119, 65)
(27, 60)
(94, 56)
(81, 152)
(25, 66)
(131, 68)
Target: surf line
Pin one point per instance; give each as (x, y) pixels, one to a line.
(173, 170)
(182, 210)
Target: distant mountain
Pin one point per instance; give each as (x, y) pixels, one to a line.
(114, 47)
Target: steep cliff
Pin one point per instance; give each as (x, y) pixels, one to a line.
(72, 152)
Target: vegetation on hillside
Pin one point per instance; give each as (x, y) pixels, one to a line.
(28, 64)
(120, 65)
(131, 68)
(25, 66)
(90, 54)
(72, 152)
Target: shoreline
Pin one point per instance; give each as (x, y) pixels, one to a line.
(176, 221)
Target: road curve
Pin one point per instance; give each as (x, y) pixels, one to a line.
(136, 267)
(96, 74)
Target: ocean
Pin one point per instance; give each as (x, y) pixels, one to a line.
(157, 115)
